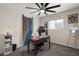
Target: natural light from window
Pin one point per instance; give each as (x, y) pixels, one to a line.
(56, 24)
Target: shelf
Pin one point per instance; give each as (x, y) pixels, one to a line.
(7, 52)
(8, 36)
(8, 47)
(7, 42)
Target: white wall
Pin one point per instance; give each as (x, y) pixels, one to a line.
(61, 36)
(35, 24)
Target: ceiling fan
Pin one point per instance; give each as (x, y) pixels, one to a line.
(42, 8)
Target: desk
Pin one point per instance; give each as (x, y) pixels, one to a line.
(40, 38)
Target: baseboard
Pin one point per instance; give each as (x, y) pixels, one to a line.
(64, 45)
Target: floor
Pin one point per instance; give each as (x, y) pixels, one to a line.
(55, 50)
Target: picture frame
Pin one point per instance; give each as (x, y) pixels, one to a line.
(73, 18)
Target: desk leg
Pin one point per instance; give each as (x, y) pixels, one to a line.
(49, 42)
(28, 45)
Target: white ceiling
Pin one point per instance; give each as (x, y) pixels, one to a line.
(21, 7)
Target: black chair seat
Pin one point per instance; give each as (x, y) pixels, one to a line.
(37, 47)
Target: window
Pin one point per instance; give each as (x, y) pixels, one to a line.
(56, 24)
(51, 25)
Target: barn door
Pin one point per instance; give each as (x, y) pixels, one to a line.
(27, 29)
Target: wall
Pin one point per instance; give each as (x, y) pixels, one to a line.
(61, 36)
(35, 24)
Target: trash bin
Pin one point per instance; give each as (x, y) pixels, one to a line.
(14, 46)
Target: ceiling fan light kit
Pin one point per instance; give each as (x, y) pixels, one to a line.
(42, 11)
(42, 8)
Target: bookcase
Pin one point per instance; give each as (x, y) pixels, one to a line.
(7, 44)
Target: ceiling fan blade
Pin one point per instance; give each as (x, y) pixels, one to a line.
(50, 10)
(37, 5)
(32, 8)
(45, 13)
(42, 4)
(46, 4)
(53, 7)
(39, 13)
(34, 11)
